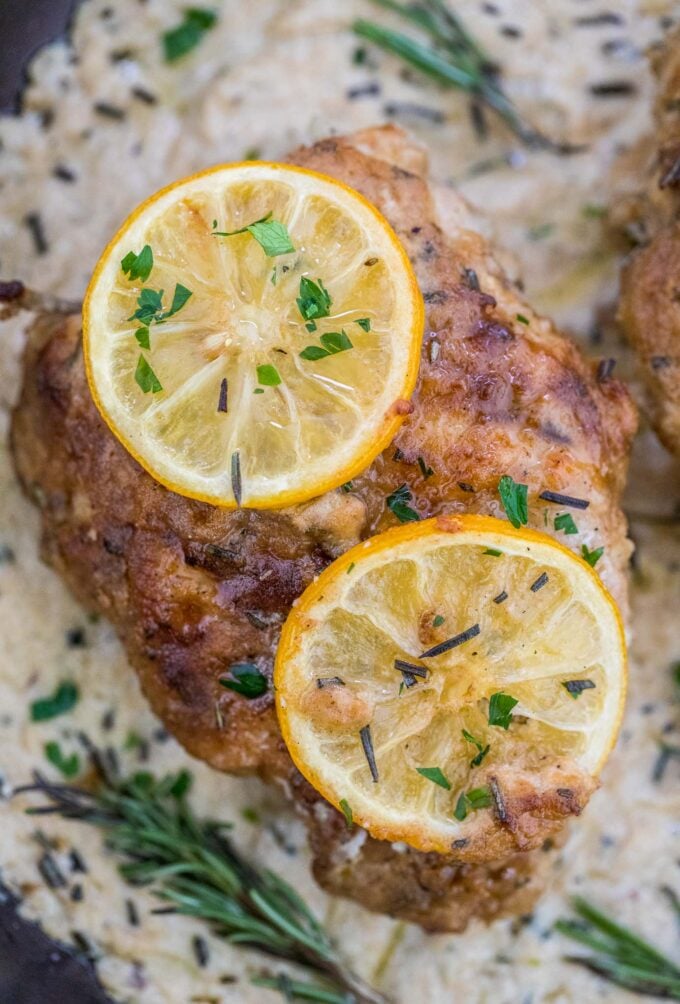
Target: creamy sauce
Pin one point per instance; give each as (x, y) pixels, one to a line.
(271, 75)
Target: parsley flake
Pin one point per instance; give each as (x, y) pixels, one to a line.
(314, 300)
(565, 522)
(347, 811)
(67, 765)
(64, 699)
(150, 305)
(332, 342)
(268, 375)
(435, 775)
(493, 552)
(592, 557)
(522, 319)
(438, 621)
(246, 680)
(271, 235)
(500, 709)
(514, 498)
(476, 798)
(146, 378)
(482, 750)
(138, 266)
(397, 503)
(177, 42)
(142, 336)
(425, 469)
(364, 322)
(576, 687)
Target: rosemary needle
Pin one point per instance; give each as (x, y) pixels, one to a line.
(192, 865)
(621, 956)
(455, 60)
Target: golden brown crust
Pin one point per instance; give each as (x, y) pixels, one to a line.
(649, 307)
(192, 589)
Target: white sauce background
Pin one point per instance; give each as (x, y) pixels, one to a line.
(271, 75)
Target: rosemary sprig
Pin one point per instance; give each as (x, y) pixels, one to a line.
(621, 956)
(192, 865)
(455, 60)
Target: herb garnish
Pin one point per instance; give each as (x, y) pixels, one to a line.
(347, 811)
(138, 266)
(482, 750)
(314, 300)
(565, 522)
(177, 42)
(446, 646)
(576, 687)
(620, 955)
(68, 765)
(438, 621)
(514, 498)
(145, 376)
(364, 322)
(193, 866)
(592, 557)
(436, 775)
(455, 60)
(332, 342)
(566, 500)
(64, 699)
(500, 710)
(397, 503)
(522, 319)
(247, 680)
(271, 235)
(493, 552)
(268, 375)
(367, 744)
(471, 801)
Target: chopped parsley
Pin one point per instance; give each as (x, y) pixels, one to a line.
(350, 568)
(332, 342)
(347, 487)
(471, 801)
(64, 699)
(67, 765)
(514, 498)
(314, 300)
(592, 557)
(522, 319)
(576, 687)
(138, 266)
(438, 621)
(246, 679)
(482, 750)
(150, 305)
(565, 522)
(397, 503)
(271, 235)
(500, 709)
(177, 42)
(146, 378)
(347, 811)
(364, 322)
(268, 375)
(436, 775)
(142, 336)
(492, 552)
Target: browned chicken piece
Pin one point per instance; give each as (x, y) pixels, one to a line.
(193, 589)
(649, 308)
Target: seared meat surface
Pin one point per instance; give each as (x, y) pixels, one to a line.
(650, 286)
(193, 589)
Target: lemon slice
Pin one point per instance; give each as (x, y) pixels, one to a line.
(455, 684)
(252, 334)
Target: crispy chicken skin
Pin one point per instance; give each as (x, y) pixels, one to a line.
(650, 285)
(193, 589)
